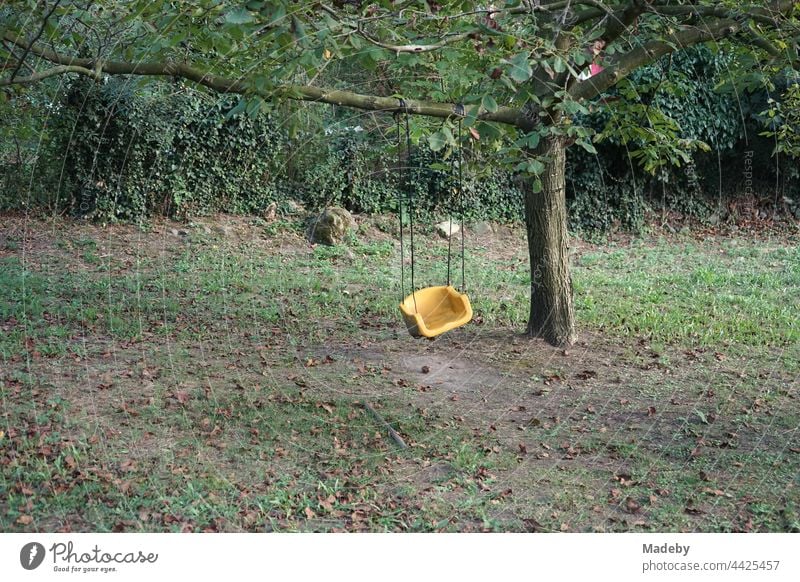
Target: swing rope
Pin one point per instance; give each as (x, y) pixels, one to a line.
(461, 197)
(450, 227)
(460, 191)
(406, 186)
(400, 186)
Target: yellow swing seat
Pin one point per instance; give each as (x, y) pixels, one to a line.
(434, 310)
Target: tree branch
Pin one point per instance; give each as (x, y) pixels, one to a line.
(59, 70)
(35, 39)
(762, 42)
(221, 84)
(653, 50)
(648, 53)
(761, 14)
(621, 21)
(413, 48)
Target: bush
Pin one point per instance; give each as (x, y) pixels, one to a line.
(131, 152)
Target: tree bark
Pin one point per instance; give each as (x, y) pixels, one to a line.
(552, 315)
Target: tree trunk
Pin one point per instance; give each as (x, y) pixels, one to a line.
(552, 315)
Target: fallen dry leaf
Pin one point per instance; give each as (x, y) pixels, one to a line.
(128, 465)
(182, 396)
(326, 407)
(716, 492)
(632, 506)
(533, 526)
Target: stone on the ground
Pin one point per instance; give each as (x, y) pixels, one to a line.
(270, 212)
(447, 228)
(293, 207)
(483, 228)
(331, 226)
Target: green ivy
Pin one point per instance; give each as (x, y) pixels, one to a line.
(131, 152)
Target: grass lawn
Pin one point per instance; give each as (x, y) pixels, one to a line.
(211, 376)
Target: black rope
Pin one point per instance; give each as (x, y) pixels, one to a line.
(450, 225)
(400, 187)
(410, 209)
(461, 200)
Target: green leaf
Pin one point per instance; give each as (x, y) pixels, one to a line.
(701, 416)
(437, 141)
(472, 116)
(253, 107)
(299, 29)
(239, 16)
(520, 69)
(448, 136)
(240, 108)
(535, 167)
(278, 14)
(489, 104)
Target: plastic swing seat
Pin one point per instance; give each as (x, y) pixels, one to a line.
(430, 311)
(434, 310)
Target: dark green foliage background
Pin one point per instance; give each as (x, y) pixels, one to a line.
(691, 87)
(129, 153)
(128, 149)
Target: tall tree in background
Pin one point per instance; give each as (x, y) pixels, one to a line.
(517, 73)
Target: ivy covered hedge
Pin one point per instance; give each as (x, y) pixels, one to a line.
(130, 153)
(690, 90)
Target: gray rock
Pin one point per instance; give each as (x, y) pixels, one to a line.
(448, 228)
(483, 228)
(270, 212)
(292, 207)
(331, 226)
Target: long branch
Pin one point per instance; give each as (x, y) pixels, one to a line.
(55, 71)
(648, 53)
(653, 50)
(414, 48)
(220, 84)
